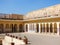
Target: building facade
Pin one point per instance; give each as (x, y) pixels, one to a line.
(46, 20)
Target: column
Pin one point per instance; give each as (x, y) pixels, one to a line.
(28, 27)
(35, 27)
(18, 27)
(9, 28)
(58, 32)
(49, 27)
(42, 27)
(53, 27)
(39, 28)
(45, 27)
(43, 30)
(32, 26)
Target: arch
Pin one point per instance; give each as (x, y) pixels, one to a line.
(11, 27)
(37, 27)
(51, 28)
(26, 28)
(1, 28)
(21, 28)
(15, 28)
(55, 28)
(7, 27)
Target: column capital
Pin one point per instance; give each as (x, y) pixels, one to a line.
(48, 23)
(57, 22)
(52, 23)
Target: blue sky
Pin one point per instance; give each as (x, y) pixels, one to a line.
(24, 6)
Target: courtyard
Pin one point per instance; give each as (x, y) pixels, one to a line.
(40, 39)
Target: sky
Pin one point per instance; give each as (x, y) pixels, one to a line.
(24, 6)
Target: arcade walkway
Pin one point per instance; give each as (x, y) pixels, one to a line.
(49, 27)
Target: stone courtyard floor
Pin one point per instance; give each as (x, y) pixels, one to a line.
(40, 39)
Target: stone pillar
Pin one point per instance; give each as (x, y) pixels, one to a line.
(17, 27)
(49, 27)
(45, 27)
(39, 28)
(43, 30)
(53, 27)
(35, 27)
(42, 27)
(58, 31)
(28, 27)
(9, 28)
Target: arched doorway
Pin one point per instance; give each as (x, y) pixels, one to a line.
(55, 28)
(51, 29)
(21, 28)
(11, 27)
(1, 28)
(15, 28)
(37, 27)
(7, 28)
(26, 28)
